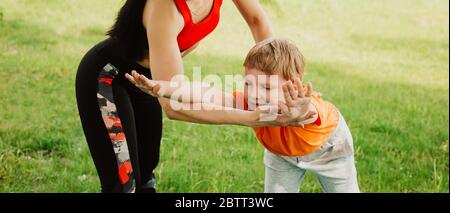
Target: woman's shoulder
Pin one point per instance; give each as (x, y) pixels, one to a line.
(162, 12)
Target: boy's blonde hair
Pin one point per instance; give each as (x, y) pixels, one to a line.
(276, 56)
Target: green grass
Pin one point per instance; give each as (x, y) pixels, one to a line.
(385, 64)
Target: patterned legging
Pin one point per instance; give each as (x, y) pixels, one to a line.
(113, 124)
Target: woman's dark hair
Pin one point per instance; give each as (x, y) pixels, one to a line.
(129, 30)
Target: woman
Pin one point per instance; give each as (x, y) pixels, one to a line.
(122, 124)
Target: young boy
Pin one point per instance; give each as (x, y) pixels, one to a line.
(323, 145)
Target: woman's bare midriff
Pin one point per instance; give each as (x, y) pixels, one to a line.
(146, 62)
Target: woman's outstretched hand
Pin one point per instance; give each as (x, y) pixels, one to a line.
(143, 83)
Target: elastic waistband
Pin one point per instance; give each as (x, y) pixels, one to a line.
(110, 48)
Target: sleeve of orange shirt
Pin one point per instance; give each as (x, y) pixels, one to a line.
(315, 101)
(239, 100)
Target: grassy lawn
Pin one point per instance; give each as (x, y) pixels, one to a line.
(384, 64)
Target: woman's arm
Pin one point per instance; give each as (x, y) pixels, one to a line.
(183, 92)
(207, 114)
(163, 24)
(256, 19)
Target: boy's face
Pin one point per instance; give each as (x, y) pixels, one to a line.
(263, 89)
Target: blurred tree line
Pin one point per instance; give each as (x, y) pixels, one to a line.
(1, 15)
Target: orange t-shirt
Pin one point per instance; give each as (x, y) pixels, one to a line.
(298, 141)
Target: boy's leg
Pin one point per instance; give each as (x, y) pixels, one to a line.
(334, 163)
(340, 177)
(280, 175)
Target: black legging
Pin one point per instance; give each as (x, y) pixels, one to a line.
(122, 124)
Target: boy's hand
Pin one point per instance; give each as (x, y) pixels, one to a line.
(298, 104)
(143, 83)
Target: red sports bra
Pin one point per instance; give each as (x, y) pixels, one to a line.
(192, 33)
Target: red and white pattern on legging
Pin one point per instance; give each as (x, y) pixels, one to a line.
(112, 122)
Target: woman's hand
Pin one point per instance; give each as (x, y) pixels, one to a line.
(258, 118)
(143, 83)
